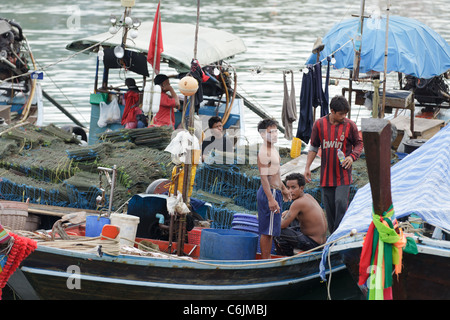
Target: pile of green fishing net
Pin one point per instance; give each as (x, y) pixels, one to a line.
(49, 166)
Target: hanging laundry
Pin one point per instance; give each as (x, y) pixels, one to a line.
(312, 95)
(306, 121)
(289, 109)
(198, 74)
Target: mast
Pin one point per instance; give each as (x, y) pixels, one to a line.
(358, 41)
(385, 61)
(190, 155)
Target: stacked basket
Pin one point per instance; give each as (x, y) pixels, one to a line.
(13, 215)
(249, 223)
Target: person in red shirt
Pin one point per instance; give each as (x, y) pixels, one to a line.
(132, 104)
(169, 101)
(332, 132)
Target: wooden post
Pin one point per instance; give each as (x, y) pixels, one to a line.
(377, 146)
(386, 47)
(188, 164)
(171, 225)
(357, 58)
(350, 92)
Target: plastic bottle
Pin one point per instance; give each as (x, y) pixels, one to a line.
(148, 91)
(341, 156)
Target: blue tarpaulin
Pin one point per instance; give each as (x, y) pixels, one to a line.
(414, 48)
(420, 184)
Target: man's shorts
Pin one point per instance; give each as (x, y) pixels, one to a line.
(269, 222)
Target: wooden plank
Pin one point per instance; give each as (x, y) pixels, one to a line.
(55, 210)
(421, 125)
(298, 165)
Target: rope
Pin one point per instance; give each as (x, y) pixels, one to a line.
(108, 246)
(111, 246)
(275, 261)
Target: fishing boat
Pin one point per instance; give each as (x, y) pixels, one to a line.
(417, 204)
(127, 53)
(20, 92)
(91, 268)
(104, 271)
(424, 219)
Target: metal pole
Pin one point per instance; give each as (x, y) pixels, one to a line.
(385, 61)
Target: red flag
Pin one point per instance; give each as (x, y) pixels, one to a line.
(154, 43)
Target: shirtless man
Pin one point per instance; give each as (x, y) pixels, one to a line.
(304, 225)
(272, 191)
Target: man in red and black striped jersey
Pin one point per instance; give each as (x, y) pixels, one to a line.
(332, 132)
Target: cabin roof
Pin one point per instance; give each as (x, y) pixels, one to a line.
(178, 42)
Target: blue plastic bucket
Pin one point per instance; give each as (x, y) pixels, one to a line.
(228, 244)
(94, 225)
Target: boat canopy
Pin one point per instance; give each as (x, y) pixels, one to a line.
(178, 41)
(414, 48)
(420, 184)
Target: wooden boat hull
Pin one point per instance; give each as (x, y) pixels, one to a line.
(49, 271)
(424, 275)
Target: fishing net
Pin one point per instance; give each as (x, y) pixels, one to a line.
(48, 166)
(240, 182)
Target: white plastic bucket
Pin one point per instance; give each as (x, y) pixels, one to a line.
(128, 227)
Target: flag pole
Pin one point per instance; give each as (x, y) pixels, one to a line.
(158, 19)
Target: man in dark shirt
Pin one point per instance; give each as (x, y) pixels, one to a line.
(332, 132)
(217, 141)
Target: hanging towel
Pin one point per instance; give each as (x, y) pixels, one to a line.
(320, 97)
(312, 95)
(289, 109)
(306, 121)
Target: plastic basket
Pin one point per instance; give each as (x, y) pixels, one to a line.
(96, 98)
(194, 236)
(13, 215)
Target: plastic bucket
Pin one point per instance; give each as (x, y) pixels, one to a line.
(94, 225)
(128, 227)
(228, 244)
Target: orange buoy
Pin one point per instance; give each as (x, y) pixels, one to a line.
(188, 86)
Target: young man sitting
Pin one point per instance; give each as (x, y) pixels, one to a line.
(303, 226)
(217, 140)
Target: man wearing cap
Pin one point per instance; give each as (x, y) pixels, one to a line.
(169, 100)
